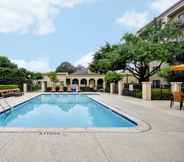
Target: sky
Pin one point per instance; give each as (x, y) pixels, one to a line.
(40, 34)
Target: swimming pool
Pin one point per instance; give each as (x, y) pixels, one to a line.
(63, 111)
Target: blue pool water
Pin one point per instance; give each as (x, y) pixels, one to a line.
(62, 111)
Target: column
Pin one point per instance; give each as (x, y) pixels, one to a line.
(104, 84)
(111, 88)
(96, 83)
(120, 87)
(25, 87)
(64, 82)
(87, 82)
(146, 91)
(42, 86)
(176, 87)
(79, 80)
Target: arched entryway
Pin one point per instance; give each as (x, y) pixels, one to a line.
(83, 83)
(75, 81)
(75, 85)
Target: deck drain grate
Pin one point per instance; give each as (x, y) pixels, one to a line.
(46, 133)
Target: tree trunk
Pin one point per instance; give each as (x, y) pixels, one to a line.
(142, 78)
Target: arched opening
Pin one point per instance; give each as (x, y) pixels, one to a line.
(100, 83)
(68, 82)
(75, 81)
(75, 85)
(92, 83)
(83, 83)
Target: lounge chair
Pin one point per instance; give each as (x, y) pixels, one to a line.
(10, 92)
(177, 97)
(18, 94)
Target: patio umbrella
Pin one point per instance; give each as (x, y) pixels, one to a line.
(178, 68)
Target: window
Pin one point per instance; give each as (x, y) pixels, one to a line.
(156, 84)
(181, 18)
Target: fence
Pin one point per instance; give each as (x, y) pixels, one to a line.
(163, 92)
(133, 90)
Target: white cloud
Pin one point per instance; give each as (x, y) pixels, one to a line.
(37, 65)
(136, 20)
(133, 19)
(85, 60)
(161, 5)
(32, 16)
(71, 3)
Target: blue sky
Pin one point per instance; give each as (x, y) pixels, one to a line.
(39, 35)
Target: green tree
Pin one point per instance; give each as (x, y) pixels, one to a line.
(105, 59)
(177, 54)
(169, 34)
(53, 77)
(11, 74)
(65, 67)
(112, 77)
(138, 54)
(14, 76)
(157, 32)
(36, 76)
(166, 73)
(6, 63)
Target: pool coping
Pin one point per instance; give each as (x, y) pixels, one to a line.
(141, 126)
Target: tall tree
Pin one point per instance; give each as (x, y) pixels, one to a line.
(53, 77)
(169, 34)
(11, 74)
(65, 67)
(6, 63)
(139, 54)
(155, 45)
(105, 59)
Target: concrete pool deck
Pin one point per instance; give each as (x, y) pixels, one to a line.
(164, 142)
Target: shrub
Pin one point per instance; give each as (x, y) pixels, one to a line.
(11, 86)
(49, 89)
(112, 76)
(36, 88)
(86, 89)
(65, 89)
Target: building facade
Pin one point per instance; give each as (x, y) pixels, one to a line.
(75, 81)
(174, 14)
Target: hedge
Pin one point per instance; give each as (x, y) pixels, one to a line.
(2, 87)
